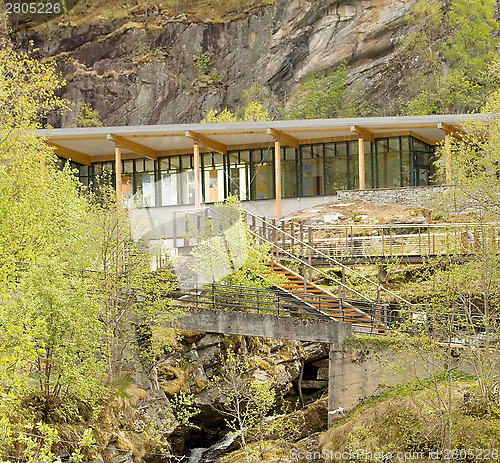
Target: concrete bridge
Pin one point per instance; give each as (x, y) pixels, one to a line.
(348, 381)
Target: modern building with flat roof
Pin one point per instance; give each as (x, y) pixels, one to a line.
(195, 164)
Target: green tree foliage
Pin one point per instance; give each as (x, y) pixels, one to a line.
(27, 92)
(87, 116)
(452, 50)
(131, 296)
(75, 288)
(201, 62)
(474, 161)
(458, 320)
(256, 107)
(50, 330)
(324, 96)
(227, 252)
(223, 116)
(253, 111)
(245, 401)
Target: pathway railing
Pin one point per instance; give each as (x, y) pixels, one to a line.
(467, 327)
(371, 241)
(275, 301)
(303, 252)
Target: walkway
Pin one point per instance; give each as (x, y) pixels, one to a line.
(355, 244)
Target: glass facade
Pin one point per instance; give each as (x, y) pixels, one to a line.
(313, 170)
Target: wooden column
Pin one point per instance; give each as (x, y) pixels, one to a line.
(361, 155)
(118, 175)
(119, 206)
(277, 166)
(197, 190)
(447, 160)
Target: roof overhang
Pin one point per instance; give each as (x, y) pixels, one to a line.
(96, 144)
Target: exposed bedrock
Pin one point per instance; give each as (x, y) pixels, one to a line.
(137, 75)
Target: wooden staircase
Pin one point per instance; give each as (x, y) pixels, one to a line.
(317, 300)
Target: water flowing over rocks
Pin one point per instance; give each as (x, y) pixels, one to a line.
(189, 366)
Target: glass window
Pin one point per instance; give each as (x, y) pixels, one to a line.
(353, 164)
(83, 170)
(288, 172)
(406, 163)
(127, 180)
(139, 165)
(186, 179)
(238, 174)
(420, 146)
(405, 143)
(312, 170)
(145, 186)
(369, 183)
(262, 174)
(214, 177)
(335, 167)
(388, 167)
(169, 181)
(422, 163)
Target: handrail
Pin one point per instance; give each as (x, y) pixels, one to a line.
(343, 285)
(327, 257)
(406, 225)
(313, 268)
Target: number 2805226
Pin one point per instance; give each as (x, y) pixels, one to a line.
(32, 8)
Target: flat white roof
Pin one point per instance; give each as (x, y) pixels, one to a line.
(93, 144)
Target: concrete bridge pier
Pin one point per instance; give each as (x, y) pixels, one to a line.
(336, 373)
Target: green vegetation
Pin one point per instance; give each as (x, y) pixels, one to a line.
(324, 96)
(228, 253)
(87, 116)
(248, 404)
(254, 111)
(452, 50)
(50, 331)
(404, 420)
(71, 301)
(256, 107)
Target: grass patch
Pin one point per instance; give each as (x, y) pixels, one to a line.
(406, 419)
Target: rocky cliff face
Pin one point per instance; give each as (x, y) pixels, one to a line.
(188, 363)
(134, 74)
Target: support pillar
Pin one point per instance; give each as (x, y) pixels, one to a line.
(361, 155)
(447, 160)
(336, 374)
(118, 175)
(277, 170)
(197, 188)
(119, 206)
(335, 382)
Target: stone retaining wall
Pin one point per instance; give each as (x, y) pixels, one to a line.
(422, 196)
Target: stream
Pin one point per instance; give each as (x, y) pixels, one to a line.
(208, 454)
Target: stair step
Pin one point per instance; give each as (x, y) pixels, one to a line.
(328, 305)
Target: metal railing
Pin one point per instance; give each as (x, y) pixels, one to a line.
(343, 242)
(385, 318)
(299, 250)
(279, 303)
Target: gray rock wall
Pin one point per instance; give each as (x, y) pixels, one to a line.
(136, 75)
(422, 196)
